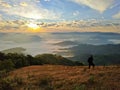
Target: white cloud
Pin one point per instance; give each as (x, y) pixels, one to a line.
(5, 4)
(83, 24)
(19, 38)
(47, 0)
(76, 13)
(24, 4)
(117, 16)
(0, 17)
(99, 5)
(12, 25)
(115, 41)
(30, 9)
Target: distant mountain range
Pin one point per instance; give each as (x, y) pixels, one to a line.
(64, 43)
(96, 49)
(94, 38)
(14, 50)
(103, 54)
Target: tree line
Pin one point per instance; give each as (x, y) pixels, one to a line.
(13, 60)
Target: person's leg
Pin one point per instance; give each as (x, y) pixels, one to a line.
(89, 65)
(93, 65)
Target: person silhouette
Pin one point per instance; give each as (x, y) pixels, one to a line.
(90, 61)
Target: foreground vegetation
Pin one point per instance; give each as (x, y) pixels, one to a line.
(12, 61)
(54, 72)
(57, 77)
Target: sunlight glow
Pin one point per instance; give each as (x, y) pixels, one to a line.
(33, 26)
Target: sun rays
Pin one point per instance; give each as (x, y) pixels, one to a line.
(33, 27)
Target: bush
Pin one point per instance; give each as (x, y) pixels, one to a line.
(91, 80)
(45, 83)
(81, 87)
(3, 74)
(6, 84)
(79, 63)
(6, 65)
(9, 83)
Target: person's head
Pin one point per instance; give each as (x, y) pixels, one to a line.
(91, 55)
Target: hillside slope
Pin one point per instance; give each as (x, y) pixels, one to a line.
(108, 54)
(57, 77)
(18, 50)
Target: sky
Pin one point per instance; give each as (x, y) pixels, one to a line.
(23, 21)
(27, 16)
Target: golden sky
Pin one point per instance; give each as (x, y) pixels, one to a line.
(60, 16)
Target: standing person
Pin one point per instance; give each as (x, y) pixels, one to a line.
(90, 61)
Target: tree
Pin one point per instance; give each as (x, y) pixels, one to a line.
(2, 56)
(6, 65)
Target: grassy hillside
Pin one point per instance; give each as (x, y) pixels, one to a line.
(54, 59)
(13, 60)
(57, 77)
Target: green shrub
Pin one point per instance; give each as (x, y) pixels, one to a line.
(6, 65)
(3, 74)
(6, 84)
(9, 83)
(45, 83)
(91, 79)
(18, 80)
(81, 87)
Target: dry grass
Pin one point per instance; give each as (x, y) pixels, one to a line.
(56, 77)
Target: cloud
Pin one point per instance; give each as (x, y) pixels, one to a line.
(24, 4)
(5, 4)
(21, 25)
(91, 25)
(30, 9)
(83, 23)
(117, 16)
(47, 0)
(20, 38)
(99, 5)
(1, 17)
(78, 24)
(76, 13)
(115, 41)
(12, 25)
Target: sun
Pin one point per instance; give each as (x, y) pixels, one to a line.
(33, 26)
